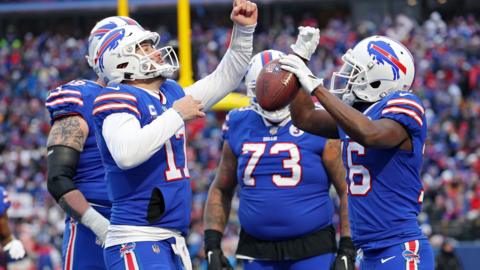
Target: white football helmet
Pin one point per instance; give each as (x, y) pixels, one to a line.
(100, 29)
(374, 68)
(117, 59)
(254, 68)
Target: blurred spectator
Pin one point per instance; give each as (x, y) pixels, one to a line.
(446, 258)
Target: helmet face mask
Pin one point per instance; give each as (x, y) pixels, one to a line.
(257, 62)
(351, 75)
(374, 68)
(120, 56)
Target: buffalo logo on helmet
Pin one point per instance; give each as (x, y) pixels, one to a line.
(383, 53)
(102, 30)
(110, 42)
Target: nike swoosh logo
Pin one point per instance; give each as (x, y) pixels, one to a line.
(114, 88)
(209, 254)
(404, 94)
(344, 259)
(49, 152)
(387, 259)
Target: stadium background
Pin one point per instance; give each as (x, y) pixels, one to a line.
(43, 43)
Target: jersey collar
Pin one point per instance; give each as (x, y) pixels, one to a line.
(281, 124)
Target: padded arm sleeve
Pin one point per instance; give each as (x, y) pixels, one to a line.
(229, 73)
(130, 144)
(61, 168)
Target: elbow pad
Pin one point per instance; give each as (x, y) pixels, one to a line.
(61, 168)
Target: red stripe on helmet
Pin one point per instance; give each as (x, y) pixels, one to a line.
(391, 57)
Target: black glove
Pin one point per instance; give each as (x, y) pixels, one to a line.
(346, 254)
(213, 252)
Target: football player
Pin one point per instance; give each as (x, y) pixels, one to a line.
(12, 246)
(75, 171)
(284, 175)
(140, 122)
(383, 136)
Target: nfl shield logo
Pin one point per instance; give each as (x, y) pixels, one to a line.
(155, 248)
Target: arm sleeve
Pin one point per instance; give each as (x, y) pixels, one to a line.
(229, 73)
(130, 144)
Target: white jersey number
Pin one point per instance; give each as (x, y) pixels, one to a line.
(173, 172)
(292, 163)
(365, 185)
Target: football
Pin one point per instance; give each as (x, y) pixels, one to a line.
(275, 87)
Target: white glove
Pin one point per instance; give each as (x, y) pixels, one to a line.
(15, 249)
(307, 41)
(295, 65)
(97, 223)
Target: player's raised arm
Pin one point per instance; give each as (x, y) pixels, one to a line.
(229, 73)
(306, 117)
(217, 208)
(383, 133)
(65, 142)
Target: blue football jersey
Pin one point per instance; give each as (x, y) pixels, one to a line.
(384, 188)
(4, 201)
(283, 183)
(164, 173)
(76, 98)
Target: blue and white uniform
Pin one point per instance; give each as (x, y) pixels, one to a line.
(385, 191)
(284, 187)
(80, 250)
(142, 143)
(154, 194)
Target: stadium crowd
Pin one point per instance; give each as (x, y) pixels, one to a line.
(447, 56)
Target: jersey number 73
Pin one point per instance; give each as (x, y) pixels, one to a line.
(257, 150)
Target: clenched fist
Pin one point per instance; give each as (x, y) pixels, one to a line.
(244, 12)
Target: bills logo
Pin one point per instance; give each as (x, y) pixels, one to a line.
(385, 55)
(110, 42)
(410, 255)
(102, 30)
(126, 248)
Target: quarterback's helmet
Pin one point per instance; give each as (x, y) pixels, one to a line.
(375, 67)
(119, 56)
(100, 29)
(254, 68)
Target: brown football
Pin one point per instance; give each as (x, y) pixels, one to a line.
(275, 87)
